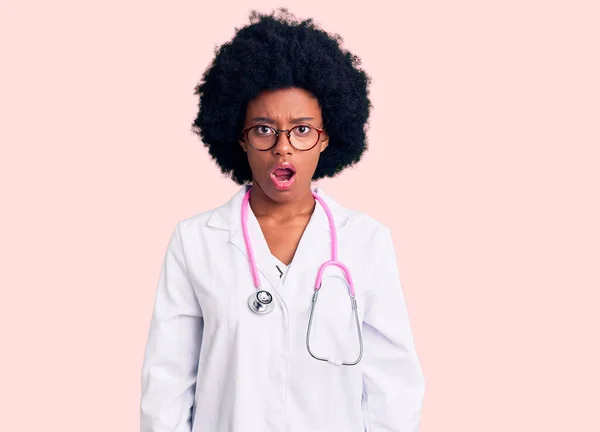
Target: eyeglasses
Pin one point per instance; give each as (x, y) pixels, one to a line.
(263, 137)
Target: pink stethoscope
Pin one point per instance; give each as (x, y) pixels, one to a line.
(261, 301)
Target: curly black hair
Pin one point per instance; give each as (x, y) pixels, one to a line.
(278, 51)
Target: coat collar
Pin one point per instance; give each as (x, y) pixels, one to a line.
(228, 215)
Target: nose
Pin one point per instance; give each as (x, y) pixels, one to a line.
(282, 146)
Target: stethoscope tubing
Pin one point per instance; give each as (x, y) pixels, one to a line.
(258, 307)
(246, 235)
(356, 320)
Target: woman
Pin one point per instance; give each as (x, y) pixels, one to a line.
(232, 344)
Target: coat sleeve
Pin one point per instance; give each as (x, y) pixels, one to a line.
(170, 362)
(393, 382)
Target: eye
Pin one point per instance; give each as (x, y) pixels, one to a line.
(302, 130)
(263, 130)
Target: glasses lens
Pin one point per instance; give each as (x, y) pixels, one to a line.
(303, 137)
(262, 137)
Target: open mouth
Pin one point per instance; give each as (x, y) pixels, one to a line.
(283, 174)
(283, 177)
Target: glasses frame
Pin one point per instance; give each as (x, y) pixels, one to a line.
(288, 133)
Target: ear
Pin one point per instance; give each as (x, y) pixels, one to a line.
(324, 140)
(243, 145)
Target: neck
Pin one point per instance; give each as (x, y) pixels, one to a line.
(263, 206)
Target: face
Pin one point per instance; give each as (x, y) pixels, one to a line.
(284, 109)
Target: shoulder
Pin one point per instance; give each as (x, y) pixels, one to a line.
(365, 225)
(223, 217)
(199, 219)
(194, 226)
(352, 219)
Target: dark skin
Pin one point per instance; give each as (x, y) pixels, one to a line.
(283, 214)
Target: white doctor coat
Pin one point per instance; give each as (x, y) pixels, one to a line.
(212, 365)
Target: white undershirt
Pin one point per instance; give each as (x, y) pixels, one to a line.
(281, 268)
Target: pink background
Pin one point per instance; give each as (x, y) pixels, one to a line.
(484, 160)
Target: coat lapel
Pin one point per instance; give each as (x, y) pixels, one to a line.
(313, 249)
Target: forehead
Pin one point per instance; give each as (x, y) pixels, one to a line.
(284, 104)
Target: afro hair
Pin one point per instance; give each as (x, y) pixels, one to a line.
(278, 51)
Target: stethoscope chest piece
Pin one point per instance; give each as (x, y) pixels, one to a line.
(261, 302)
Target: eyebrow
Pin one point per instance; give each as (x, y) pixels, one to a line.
(271, 121)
